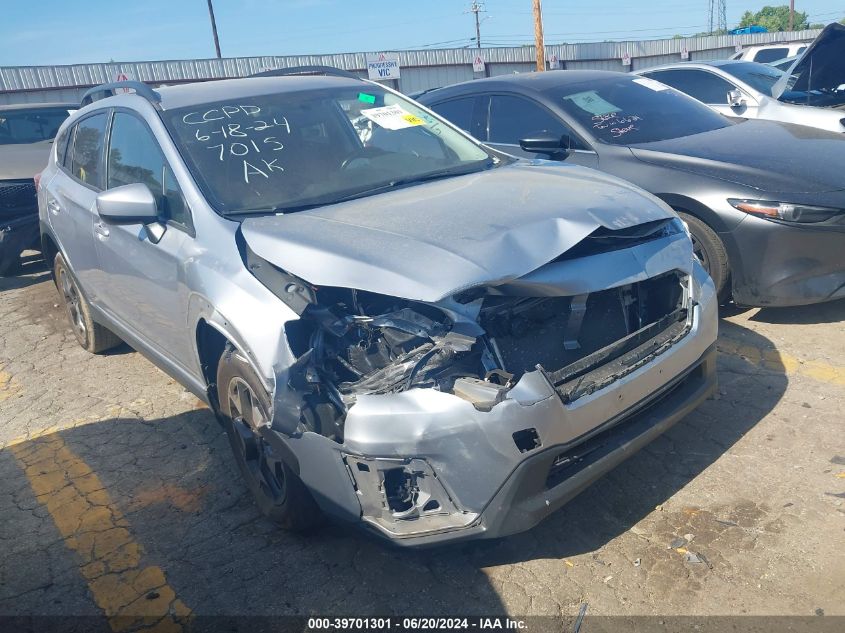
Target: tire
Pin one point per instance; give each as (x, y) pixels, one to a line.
(711, 253)
(92, 336)
(244, 408)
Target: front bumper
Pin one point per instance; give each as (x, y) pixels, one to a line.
(482, 481)
(778, 264)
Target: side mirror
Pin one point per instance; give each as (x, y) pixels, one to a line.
(557, 147)
(735, 99)
(128, 204)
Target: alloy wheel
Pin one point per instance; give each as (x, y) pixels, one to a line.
(264, 468)
(73, 305)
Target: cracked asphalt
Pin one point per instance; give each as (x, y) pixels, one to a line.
(119, 498)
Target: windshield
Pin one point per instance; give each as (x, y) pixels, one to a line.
(30, 125)
(626, 111)
(288, 151)
(761, 77)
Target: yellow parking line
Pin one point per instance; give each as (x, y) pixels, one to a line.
(781, 361)
(94, 528)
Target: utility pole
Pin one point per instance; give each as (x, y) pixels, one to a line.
(214, 29)
(791, 15)
(538, 36)
(477, 8)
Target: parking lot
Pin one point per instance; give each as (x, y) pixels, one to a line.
(119, 496)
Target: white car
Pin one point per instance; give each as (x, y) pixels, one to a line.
(746, 89)
(767, 53)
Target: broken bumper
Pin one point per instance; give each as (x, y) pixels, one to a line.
(545, 482)
(474, 473)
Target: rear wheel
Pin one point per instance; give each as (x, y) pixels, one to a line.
(244, 406)
(91, 335)
(711, 253)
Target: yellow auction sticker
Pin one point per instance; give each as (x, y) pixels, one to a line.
(413, 120)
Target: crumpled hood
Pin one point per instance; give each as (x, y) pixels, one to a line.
(23, 161)
(765, 155)
(821, 67)
(429, 241)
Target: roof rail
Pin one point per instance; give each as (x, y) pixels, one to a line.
(327, 71)
(109, 90)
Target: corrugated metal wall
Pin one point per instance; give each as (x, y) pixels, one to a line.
(420, 70)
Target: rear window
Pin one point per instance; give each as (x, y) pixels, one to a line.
(32, 125)
(766, 55)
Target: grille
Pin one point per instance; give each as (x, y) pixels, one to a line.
(17, 198)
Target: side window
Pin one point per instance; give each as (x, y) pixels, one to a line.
(800, 50)
(135, 156)
(515, 118)
(457, 112)
(766, 55)
(67, 160)
(699, 84)
(61, 144)
(86, 162)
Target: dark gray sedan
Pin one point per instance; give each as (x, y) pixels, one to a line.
(764, 201)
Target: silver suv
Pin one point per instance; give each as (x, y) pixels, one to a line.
(398, 326)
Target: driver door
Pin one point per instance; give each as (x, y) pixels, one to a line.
(144, 287)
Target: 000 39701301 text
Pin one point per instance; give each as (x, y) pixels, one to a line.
(250, 139)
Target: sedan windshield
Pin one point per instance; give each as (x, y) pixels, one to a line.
(30, 125)
(761, 77)
(294, 150)
(626, 111)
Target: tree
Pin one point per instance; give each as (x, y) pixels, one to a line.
(774, 19)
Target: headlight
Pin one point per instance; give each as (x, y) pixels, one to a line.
(802, 213)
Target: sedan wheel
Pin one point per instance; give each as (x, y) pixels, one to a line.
(711, 254)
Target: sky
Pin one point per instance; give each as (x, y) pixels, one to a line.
(63, 32)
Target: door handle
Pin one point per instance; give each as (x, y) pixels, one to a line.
(53, 205)
(101, 229)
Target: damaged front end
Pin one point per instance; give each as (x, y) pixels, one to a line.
(407, 389)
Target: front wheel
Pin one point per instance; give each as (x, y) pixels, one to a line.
(244, 406)
(711, 254)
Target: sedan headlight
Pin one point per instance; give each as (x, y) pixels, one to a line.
(802, 213)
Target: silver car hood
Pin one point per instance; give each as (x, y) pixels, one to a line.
(429, 241)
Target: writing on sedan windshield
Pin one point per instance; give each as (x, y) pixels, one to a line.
(244, 135)
(616, 123)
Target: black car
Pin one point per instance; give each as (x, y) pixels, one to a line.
(26, 136)
(763, 201)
